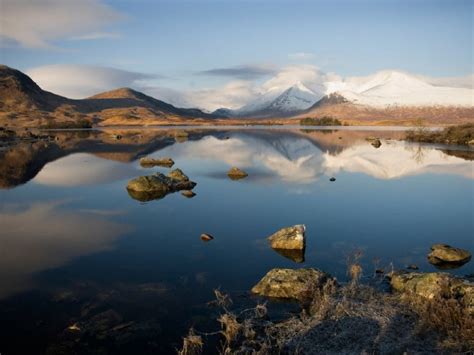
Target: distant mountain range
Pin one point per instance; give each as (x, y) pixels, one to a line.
(386, 94)
(385, 97)
(24, 103)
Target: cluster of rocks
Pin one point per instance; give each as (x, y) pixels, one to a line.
(158, 185)
(298, 283)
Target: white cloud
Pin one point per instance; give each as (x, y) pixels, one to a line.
(37, 23)
(301, 56)
(95, 35)
(79, 81)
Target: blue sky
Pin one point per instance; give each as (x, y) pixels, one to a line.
(182, 43)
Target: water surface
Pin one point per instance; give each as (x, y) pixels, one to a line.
(75, 248)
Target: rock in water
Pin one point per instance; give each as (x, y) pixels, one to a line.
(289, 238)
(446, 256)
(434, 284)
(290, 283)
(235, 173)
(206, 237)
(146, 188)
(188, 193)
(376, 143)
(332, 179)
(147, 162)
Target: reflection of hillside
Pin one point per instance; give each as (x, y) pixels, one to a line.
(23, 161)
(293, 155)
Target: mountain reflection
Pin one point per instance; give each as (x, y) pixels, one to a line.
(300, 160)
(294, 156)
(45, 235)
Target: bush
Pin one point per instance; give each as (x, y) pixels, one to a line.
(323, 121)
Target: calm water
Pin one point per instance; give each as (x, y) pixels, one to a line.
(76, 248)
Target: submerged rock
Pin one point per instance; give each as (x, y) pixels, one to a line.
(289, 238)
(147, 162)
(412, 267)
(151, 187)
(290, 283)
(235, 173)
(445, 256)
(206, 237)
(434, 284)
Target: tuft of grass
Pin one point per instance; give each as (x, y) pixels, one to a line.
(192, 344)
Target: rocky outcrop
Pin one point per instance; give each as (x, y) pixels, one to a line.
(147, 162)
(446, 256)
(289, 238)
(152, 187)
(434, 284)
(376, 143)
(291, 283)
(235, 173)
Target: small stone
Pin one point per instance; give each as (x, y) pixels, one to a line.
(332, 179)
(412, 267)
(289, 238)
(235, 173)
(376, 143)
(74, 328)
(206, 237)
(379, 271)
(188, 193)
(446, 256)
(147, 162)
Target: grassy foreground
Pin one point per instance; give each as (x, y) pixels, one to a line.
(349, 319)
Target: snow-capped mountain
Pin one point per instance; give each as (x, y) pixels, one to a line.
(389, 88)
(373, 94)
(276, 101)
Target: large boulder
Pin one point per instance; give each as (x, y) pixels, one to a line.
(289, 238)
(434, 284)
(444, 256)
(148, 162)
(151, 187)
(290, 283)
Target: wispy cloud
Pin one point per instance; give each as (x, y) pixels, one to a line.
(79, 81)
(242, 71)
(301, 56)
(38, 23)
(95, 35)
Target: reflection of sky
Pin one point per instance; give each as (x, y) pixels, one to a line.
(45, 235)
(299, 160)
(83, 169)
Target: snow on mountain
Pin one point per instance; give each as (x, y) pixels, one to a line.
(387, 88)
(281, 100)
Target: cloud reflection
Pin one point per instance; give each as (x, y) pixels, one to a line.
(46, 235)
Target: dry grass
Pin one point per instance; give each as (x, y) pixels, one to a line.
(192, 344)
(351, 319)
